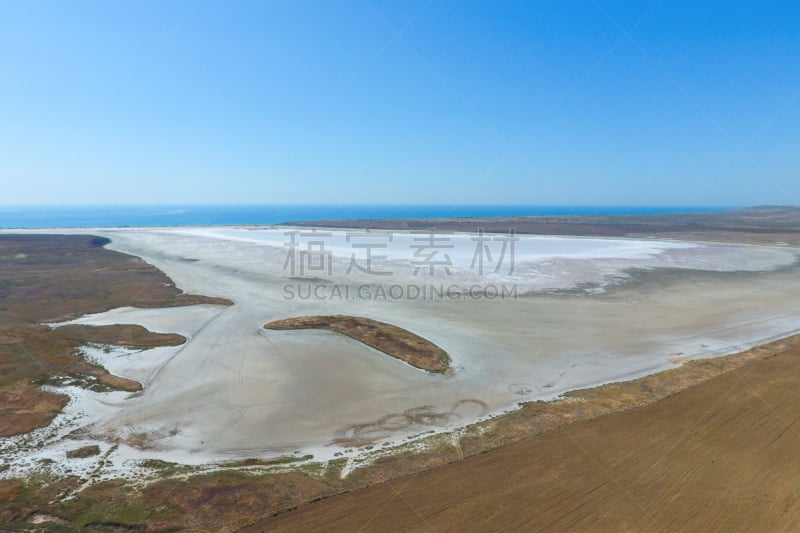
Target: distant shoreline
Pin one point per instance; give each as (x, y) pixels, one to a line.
(766, 225)
(52, 217)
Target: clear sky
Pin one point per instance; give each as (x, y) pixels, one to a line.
(369, 101)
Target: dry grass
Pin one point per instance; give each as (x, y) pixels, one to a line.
(48, 278)
(391, 340)
(222, 501)
(132, 336)
(84, 451)
(10, 490)
(25, 407)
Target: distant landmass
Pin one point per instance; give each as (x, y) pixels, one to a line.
(741, 225)
(222, 215)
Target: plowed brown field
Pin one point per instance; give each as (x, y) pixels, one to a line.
(720, 456)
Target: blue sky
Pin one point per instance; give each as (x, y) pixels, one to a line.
(497, 102)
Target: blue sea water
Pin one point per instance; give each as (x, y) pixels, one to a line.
(220, 215)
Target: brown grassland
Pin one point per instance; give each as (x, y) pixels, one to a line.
(391, 340)
(50, 278)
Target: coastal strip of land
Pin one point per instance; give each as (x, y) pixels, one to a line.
(392, 340)
(753, 225)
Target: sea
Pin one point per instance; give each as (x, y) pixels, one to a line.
(14, 217)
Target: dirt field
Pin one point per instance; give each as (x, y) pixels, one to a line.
(721, 456)
(391, 340)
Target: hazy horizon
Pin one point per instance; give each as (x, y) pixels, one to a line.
(384, 204)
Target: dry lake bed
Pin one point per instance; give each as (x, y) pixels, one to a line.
(521, 317)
